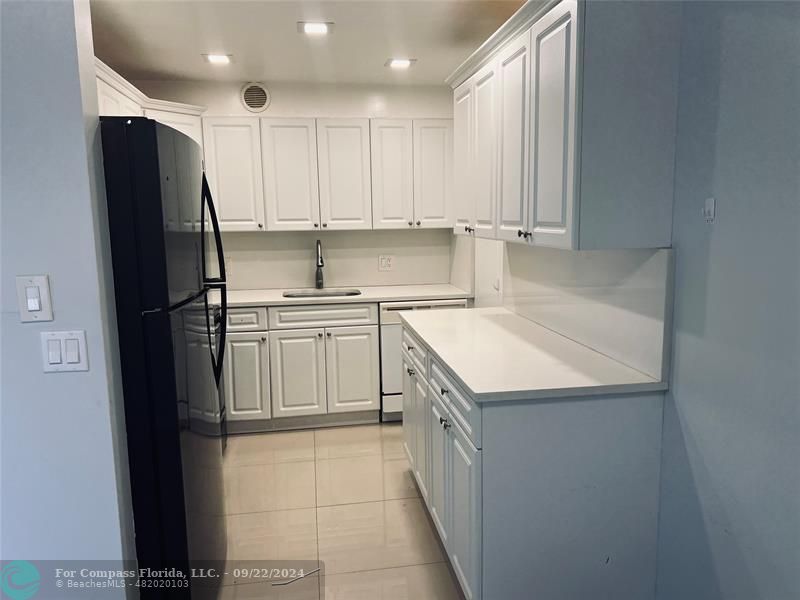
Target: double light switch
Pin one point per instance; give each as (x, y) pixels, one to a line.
(64, 351)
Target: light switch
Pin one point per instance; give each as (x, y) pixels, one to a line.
(72, 351)
(33, 298)
(54, 352)
(64, 351)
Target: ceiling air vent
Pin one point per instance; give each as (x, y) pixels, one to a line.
(255, 97)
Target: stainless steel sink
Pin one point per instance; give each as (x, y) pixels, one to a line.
(321, 293)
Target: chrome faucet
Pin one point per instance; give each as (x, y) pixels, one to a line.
(320, 264)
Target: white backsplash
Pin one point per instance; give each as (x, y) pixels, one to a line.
(286, 259)
(615, 301)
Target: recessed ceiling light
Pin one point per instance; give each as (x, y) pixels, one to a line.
(218, 59)
(314, 27)
(400, 63)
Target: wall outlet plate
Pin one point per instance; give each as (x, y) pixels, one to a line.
(385, 262)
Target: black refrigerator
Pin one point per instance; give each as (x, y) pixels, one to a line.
(169, 279)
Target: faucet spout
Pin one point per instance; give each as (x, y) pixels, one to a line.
(320, 263)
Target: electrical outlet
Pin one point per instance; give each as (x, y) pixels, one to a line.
(708, 212)
(385, 262)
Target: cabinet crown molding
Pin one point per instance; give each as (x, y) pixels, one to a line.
(118, 82)
(527, 14)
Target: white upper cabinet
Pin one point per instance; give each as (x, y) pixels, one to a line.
(344, 173)
(433, 172)
(291, 187)
(484, 155)
(247, 376)
(233, 164)
(514, 66)
(190, 125)
(463, 205)
(353, 372)
(553, 149)
(297, 369)
(584, 110)
(392, 173)
(113, 103)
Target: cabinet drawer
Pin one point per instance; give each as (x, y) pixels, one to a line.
(247, 319)
(334, 315)
(418, 353)
(466, 413)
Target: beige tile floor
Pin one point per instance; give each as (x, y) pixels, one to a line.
(344, 496)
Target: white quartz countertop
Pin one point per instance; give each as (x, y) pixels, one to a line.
(385, 293)
(498, 355)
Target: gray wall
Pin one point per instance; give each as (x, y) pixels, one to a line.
(730, 499)
(64, 469)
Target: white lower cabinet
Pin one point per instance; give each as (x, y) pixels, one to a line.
(247, 376)
(324, 370)
(297, 369)
(447, 468)
(351, 365)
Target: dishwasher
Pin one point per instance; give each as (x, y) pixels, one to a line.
(391, 359)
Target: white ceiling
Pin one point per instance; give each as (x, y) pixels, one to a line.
(164, 39)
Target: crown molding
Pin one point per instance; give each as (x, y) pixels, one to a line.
(527, 15)
(118, 82)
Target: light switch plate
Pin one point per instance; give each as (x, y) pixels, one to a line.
(64, 351)
(385, 262)
(31, 288)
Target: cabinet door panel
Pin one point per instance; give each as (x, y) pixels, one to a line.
(297, 369)
(344, 175)
(438, 493)
(463, 201)
(553, 145)
(409, 422)
(392, 177)
(291, 186)
(247, 376)
(465, 511)
(232, 147)
(351, 359)
(113, 103)
(433, 172)
(484, 151)
(422, 430)
(513, 132)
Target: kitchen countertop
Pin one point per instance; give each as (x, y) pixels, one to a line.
(384, 293)
(498, 355)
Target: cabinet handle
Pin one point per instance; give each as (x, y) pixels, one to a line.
(261, 226)
(328, 333)
(263, 339)
(319, 335)
(410, 224)
(521, 233)
(410, 348)
(316, 224)
(410, 371)
(528, 234)
(324, 224)
(444, 423)
(444, 391)
(419, 223)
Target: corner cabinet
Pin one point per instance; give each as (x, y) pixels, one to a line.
(233, 163)
(344, 173)
(565, 132)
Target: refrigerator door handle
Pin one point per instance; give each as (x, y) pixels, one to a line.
(208, 201)
(217, 360)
